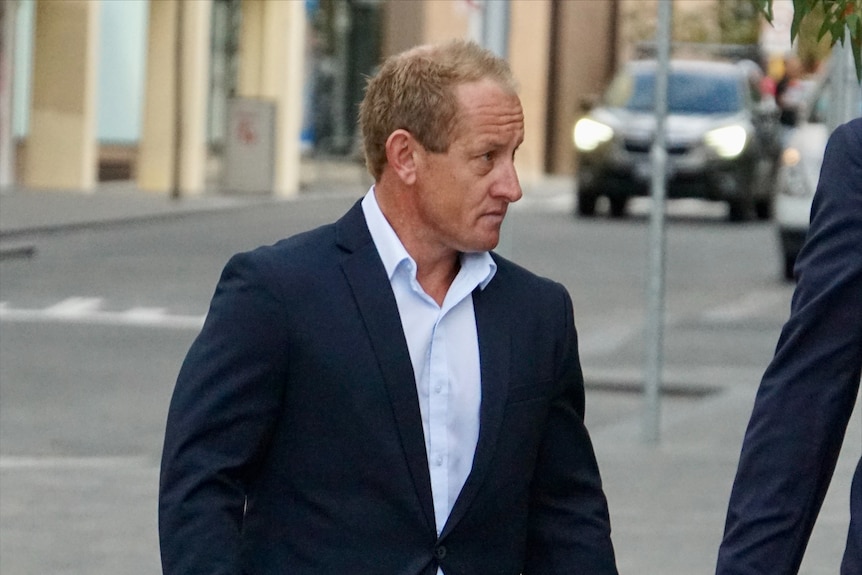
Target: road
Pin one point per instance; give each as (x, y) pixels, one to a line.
(94, 328)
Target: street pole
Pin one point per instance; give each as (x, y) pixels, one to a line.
(655, 288)
(177, 169)
(7, 140)
(493, 28)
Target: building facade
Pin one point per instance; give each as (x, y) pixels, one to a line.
(94, 89)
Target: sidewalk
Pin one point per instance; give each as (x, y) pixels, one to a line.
(667, 500)
(26, 211)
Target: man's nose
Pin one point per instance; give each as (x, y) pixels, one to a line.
(508, 186)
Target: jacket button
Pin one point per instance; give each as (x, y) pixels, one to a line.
(440, 552)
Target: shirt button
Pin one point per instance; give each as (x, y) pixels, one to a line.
(438, 388)
(440, 551)
(439, 460)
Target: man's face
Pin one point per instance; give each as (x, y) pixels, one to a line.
(464, 193)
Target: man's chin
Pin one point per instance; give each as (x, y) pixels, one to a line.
(489, 244)
(484, 241)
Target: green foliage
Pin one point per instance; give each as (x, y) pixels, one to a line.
(840, 20)
(738, 21)
(810, 47)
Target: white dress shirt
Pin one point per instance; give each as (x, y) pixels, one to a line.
(444, 350)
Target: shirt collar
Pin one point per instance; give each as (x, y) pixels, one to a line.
(478, 265)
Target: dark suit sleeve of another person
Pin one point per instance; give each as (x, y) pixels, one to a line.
(223, 409)
(569, 525)
(807, 394)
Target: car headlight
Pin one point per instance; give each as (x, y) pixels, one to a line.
(727, 142)
(589, 134)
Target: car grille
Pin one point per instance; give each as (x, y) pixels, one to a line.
(641, 147)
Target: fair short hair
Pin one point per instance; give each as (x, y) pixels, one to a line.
(414, 91)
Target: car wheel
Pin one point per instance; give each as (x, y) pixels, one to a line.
(763, 209)
(740, 210)
(586, 204)
(618, 206)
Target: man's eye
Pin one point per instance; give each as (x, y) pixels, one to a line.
(488, 156)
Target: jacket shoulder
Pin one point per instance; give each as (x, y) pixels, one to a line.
(517, 275)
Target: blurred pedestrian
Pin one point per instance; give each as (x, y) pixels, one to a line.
(809, 390)
(790, 91)
(384, 394)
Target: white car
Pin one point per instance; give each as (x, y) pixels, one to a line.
(799, 169)
(796, 182)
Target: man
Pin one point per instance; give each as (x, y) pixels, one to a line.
(808, 392)
(383, 395)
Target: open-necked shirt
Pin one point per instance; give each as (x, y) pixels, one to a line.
(444, 350)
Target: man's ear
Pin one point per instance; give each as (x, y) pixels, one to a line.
(401, 150)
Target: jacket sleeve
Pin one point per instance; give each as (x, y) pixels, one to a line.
(222, 413)
(807, 393)
(569, 525)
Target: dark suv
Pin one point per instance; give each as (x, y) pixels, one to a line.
(722, 140)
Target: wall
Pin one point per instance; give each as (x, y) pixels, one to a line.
(585, 51)
(122, 37)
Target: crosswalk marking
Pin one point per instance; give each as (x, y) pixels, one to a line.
(87, 310)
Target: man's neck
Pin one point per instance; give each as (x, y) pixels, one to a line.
(436, 264)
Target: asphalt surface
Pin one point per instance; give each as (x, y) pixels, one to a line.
(667, 499)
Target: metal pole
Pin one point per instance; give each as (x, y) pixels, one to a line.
(176, 191)
(495, 37)
(655, 289)
(495, 27)
(7, 140)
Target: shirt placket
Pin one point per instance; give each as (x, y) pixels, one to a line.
(438, 415)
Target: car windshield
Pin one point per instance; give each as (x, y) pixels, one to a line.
(689, 92)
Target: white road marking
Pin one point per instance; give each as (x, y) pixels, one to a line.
(74, 307)
(681, 208)
(83, 310)
(8, 462)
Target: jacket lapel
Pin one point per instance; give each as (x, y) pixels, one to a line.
(367, 278)
(492, 327)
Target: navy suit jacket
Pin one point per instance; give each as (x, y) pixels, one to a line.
(294, 439)
(808, 392)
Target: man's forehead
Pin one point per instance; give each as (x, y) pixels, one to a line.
(493, 122)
